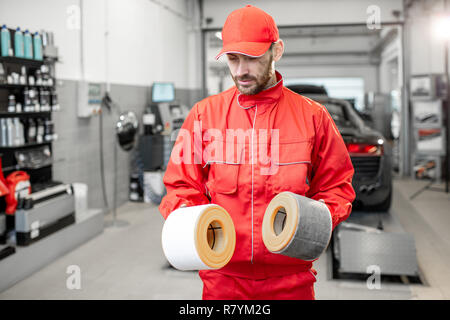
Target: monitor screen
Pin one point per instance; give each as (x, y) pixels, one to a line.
(163, 92)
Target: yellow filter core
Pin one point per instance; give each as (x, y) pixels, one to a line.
(280, 222)
(215, 237)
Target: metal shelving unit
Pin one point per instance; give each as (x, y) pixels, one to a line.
(8, 158)
(22, 261)
(22, 61)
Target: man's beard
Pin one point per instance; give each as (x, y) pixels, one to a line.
(260, 82)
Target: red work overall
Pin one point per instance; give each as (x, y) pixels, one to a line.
(286, 142)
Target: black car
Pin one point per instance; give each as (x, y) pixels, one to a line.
(308, 89)
(369, 152)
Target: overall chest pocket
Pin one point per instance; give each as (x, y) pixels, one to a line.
(292, 169)
(223, 177)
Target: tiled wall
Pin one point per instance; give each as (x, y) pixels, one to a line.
(76, 152)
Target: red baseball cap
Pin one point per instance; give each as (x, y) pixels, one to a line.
(249, 31)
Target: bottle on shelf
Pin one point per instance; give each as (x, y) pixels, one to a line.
(26, 100)
(44, 73)
(23, 76)
(3, 132)
(18, 133)
(30, 133)
(15, 78)
(31, 81)
(5, 42)
(39, 130)
(44, 99)
(18, 43)
(48, 130)
(34, 100)
(10, 132)
(37, 43)
(54, 100)
(3, 75)
(11, 103)
(27, 45)
(38, 78)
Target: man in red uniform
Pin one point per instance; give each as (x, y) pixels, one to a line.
(248, 144)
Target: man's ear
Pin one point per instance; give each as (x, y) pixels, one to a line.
(278, 50)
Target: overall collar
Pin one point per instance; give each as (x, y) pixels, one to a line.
(268, 96)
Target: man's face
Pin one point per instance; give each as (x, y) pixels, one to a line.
(251, 75)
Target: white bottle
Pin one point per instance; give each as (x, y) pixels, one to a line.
(4, 132)
(19, 134)
(1, 132)
(10, 132)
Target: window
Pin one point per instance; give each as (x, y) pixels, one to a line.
(351, 89)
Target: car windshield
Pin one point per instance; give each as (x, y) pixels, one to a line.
(339, 114)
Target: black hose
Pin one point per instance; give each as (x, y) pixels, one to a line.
(102, 167)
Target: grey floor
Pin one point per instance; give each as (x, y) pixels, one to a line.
(128, 262)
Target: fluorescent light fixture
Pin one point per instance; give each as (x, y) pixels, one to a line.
(441, 27)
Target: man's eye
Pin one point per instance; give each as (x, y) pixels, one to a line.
(252, 58)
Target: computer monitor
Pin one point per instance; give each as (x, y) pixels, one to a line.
(163, 92)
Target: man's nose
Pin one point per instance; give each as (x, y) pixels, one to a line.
(242, 68)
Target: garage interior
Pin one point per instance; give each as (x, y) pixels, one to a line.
(142, 65)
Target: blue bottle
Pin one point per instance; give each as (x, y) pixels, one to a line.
(37, 44)
(5, 41)
(18, 43)
(27, 45)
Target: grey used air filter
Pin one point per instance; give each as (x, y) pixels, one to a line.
(296, 226)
